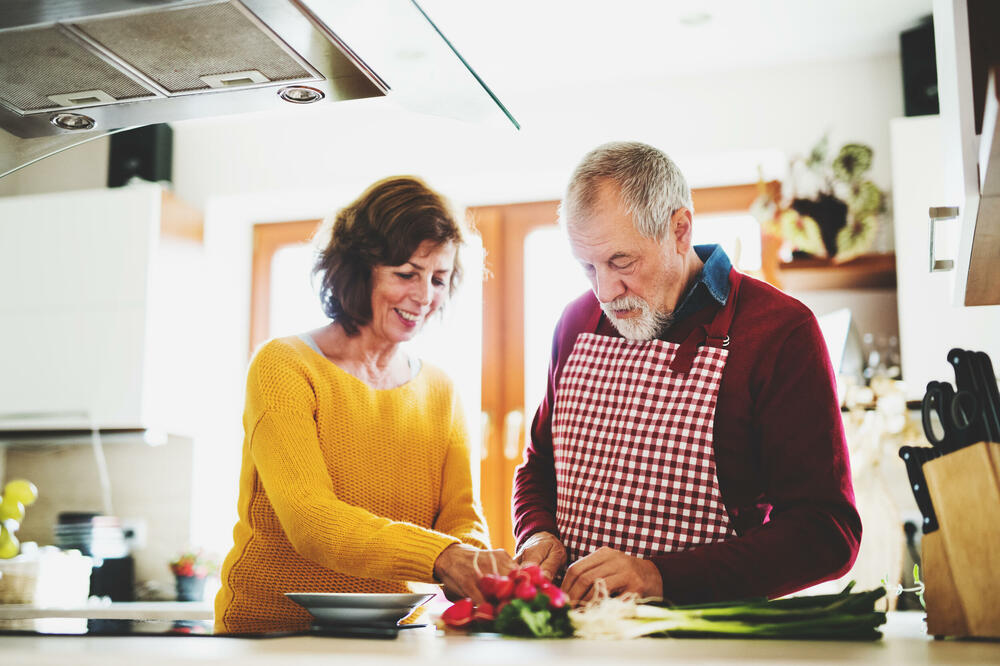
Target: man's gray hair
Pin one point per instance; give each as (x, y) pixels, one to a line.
(652, 187)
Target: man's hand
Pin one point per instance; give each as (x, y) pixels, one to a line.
(455, 568)
(546, 550)
(621, 573)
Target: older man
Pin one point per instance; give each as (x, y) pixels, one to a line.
(689, 445)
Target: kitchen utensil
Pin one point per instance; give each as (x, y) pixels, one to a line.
(961, 559)
(953, 413)
(358, 610)
(991, 393)
(969, 393)
(915, 457)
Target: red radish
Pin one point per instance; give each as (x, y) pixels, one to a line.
(488, 585)
(525, 590)
(535, 574)
(485, 612)
(557, 598)
(504, 588)
(459, 613)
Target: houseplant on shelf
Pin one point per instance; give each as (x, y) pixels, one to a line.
(827, 208)
(190, 569)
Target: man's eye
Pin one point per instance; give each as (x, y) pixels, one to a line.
(621, 267)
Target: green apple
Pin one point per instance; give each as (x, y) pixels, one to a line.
(10, 508)
(9, 546)
(21, 490)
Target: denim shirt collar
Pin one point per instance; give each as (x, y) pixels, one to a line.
(712, 282)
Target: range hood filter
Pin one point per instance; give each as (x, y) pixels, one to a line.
(179, 48)
(39, 63)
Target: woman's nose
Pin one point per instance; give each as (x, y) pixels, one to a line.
(424, 292)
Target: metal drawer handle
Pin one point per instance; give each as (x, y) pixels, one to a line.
(938, 213)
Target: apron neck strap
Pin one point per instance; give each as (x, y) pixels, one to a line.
(714, 334)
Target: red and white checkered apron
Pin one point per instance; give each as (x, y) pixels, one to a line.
(632, 436)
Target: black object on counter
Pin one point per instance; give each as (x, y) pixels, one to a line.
(915, 457)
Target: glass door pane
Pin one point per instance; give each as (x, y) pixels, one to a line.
(552, 278)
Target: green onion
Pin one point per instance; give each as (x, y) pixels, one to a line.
(844, 616)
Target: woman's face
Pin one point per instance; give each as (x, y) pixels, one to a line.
(404, 297)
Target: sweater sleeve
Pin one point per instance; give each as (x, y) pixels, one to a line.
(814, 528)
(285, 451)
(460, 515)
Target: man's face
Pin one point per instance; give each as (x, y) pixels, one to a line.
(637, 280)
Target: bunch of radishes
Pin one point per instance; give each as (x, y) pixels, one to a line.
(523, 602)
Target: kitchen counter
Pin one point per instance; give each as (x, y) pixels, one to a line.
(116, 610)
(905, 642)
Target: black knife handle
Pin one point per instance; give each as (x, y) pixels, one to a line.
(967, 382)
(915, 457)
(990, 394)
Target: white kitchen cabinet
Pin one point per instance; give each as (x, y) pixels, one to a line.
(84, 280)
(930, 322)
(977, 235)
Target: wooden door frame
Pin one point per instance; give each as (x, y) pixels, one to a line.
(268, 238)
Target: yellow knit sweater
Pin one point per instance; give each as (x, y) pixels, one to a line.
(343, 488)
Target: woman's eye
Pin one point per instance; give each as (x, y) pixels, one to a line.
(406, 276)
(438, 282)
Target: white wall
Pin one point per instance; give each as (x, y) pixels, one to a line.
(719, 128)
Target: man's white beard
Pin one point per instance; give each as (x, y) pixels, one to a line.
(646, 326)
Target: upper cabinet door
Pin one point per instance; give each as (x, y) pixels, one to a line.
(74, 285)
(964, 51)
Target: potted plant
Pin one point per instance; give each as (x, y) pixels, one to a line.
(827, 208)
(190, 569)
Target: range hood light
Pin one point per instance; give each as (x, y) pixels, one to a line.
(300, 94)
(73, 121)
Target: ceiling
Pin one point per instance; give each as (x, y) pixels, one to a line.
(529, 45)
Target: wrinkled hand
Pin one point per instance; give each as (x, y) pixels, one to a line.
(546, 550)
(621, 573)
(456, 567)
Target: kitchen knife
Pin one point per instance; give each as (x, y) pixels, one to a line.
(967, 406)
(915, 457)
(991, 393)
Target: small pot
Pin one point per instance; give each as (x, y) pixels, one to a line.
(190, 588)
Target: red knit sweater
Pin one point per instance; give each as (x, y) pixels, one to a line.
(780, 454)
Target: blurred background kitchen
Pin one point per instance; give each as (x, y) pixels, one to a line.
(139, 271)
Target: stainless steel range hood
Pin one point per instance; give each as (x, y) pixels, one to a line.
(74, 70)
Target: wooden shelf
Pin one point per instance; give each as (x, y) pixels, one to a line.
(870, 271)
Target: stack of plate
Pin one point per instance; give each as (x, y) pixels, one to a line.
(341, 613)
(92, 534)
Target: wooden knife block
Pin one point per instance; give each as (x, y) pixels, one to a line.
(961, 560)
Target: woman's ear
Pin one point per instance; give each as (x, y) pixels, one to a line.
(681, 229)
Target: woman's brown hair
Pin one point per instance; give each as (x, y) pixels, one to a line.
(382, 227)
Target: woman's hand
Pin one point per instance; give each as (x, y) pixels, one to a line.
(456, 568)
(545, 550)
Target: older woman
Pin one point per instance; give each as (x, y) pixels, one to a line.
(356, 469)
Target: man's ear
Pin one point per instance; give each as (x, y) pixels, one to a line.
(681, 229)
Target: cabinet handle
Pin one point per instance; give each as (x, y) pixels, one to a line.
(938, 213)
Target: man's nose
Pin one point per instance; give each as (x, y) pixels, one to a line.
(607, 287)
